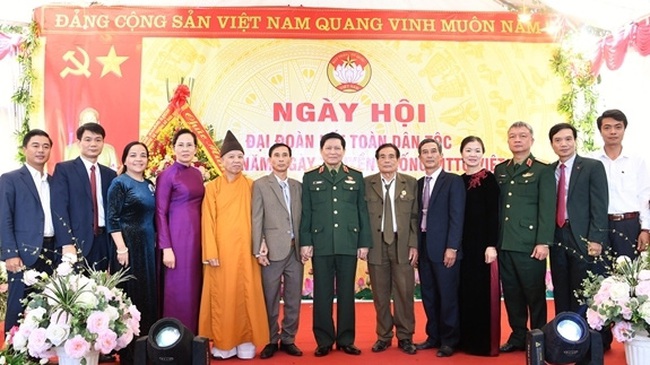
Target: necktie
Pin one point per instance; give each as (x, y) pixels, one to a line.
(93, 192)
(389, 234)
(560, 216)
(287, 200)
(333, 172)
(426, 194)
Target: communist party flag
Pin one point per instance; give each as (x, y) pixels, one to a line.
(91, 71)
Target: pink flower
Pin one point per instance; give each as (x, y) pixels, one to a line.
(308, 290)
(97, 322)
(106, 342)
(595, 320)
(125, 339)
(61, 318)
(76, 347)
(4, 287)
(37, 342)
(622, 331)
(135, 313)
(11, 334)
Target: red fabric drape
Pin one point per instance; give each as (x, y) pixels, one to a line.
(612, 49)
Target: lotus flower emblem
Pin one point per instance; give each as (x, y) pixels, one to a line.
(349, 74)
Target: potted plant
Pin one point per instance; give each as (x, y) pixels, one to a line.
(75, 314)
(621, 300)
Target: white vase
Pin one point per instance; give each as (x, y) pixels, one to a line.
(92, 357)
(637, 350)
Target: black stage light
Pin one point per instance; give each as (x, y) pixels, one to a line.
(567, 339)
(171, 343)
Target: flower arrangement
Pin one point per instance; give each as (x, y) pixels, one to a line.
(161, 153)
(4, 290)
(79, 313)
(621, 299)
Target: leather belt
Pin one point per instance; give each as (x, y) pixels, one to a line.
(623, 216)
(100, 231)
(48, 239)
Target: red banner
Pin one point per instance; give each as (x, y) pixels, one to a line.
(292, 22)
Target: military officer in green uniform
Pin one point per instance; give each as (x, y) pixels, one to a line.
(334, 233)
(527, 216)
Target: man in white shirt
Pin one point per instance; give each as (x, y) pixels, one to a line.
(629, 188)
(26, 228)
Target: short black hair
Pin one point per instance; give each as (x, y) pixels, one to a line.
(279, 145)
(429, 140)
(614, 114)
(331, 135)
(386, 145)
(560, 126)
(94, 128)
(182, 131)
(33, 133)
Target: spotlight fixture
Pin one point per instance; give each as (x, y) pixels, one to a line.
(171, 343)
(567, 339)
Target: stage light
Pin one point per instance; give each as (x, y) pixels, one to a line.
(171, 343)
(567, 339)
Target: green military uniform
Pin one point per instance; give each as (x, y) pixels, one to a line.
(335, 222)
(527, 218)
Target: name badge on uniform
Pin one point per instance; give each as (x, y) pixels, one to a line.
(317, 182)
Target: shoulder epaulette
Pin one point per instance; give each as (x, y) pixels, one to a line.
(540, 161)
(346, 168)
(505, 162)
(313, 168)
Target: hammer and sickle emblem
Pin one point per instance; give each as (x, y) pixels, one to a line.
(81, 67)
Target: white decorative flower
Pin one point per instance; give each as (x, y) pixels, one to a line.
(87, 299)
(644, 312)
(56, 333)
(64, 269)
(31, 277)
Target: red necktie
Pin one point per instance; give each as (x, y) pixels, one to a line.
(93, 192)
(560, 216)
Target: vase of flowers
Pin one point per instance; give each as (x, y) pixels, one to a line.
(75, 314)
(622, 300)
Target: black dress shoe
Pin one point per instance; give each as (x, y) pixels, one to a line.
(322, 350)
(106, 358)
(407, 346)
(445, 351)
(268, 351)
(508, 347)
(380, 346)
(349, 349)
(291, 349)
(426, 345)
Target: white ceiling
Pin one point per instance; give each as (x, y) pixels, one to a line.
(604, 14)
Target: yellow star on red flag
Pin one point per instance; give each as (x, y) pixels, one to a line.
(112, 62)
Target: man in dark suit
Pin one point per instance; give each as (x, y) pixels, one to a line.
(527, 208)
(442, 202)
(581, 217)
(26, 229)
(334, 233)
(276, 226)
(393, 208)
(79, 194)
